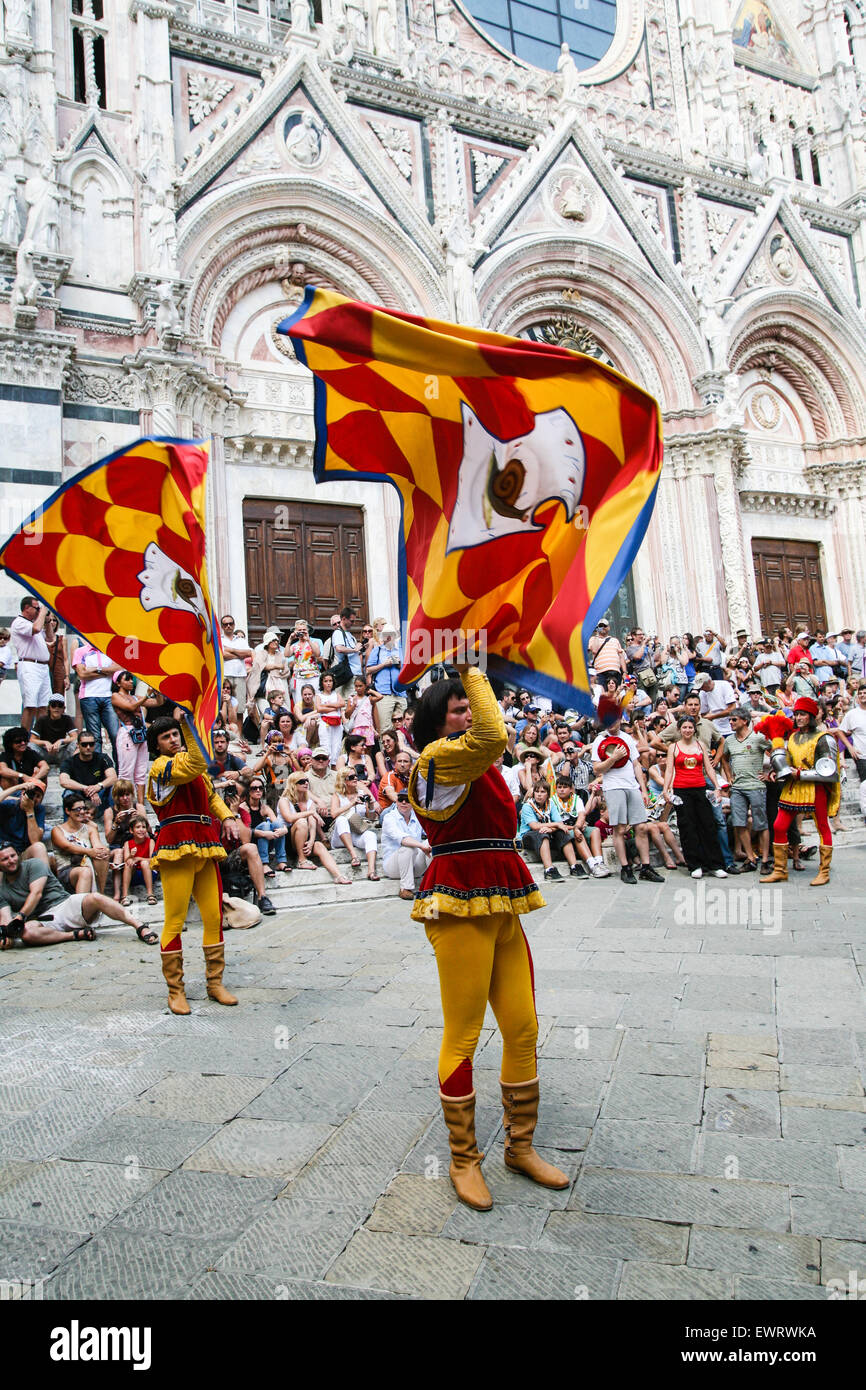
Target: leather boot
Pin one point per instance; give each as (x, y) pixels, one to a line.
(780, 866)
(215, 964)
(520, 1103)
(465, 1170)
(172, 969)
(823, 874)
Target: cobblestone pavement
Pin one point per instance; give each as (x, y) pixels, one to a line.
(702, 1061)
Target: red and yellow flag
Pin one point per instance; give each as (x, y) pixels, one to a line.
(527, 476)
(118, 552)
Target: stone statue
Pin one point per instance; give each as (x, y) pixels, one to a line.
(304, 142)
(574, 202)
(25, 287)
(301, 17)
(43, 218)
(729, 412)
(384, 25)
(446, 29)
(782, 256)
(567, 69)
(356, 19)
(713, 325)
(167, 320)
(461, 247)
(162, 234)
(640, 87)
(18, 16)
(10, 220)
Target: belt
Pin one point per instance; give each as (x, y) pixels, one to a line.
(190, 820)
(472, 846)
(34, 660)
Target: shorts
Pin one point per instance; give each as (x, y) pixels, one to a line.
(68, 915)
(35, 685)
(741, 800)
(625, 807)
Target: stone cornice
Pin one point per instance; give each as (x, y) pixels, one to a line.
(838, 478)
(787, 504)
(152, 9)
(659, 168)
(257, 452)
(227, 50)
(408, 99)
(39, 359)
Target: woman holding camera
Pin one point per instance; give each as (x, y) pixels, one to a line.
(350, 808)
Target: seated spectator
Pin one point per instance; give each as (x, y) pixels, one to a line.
(82, 858)
(224, 766)
(242, 857)
(268, 829)
(356, 756)
(307, 715)
(131, 738)
(229, 710)
(275, 766)
(529, 772)
(403, 734)
(29, 890)
(20, 763)
(511, 776)
(389, 747)
(406, 728)
(306, 826)
(91, 772)
(354, 815)
(405, 848)
(528, 738)
(396, 781)
(541, 830)
(55, 732)
(572, 812)
(322, 784)
(277, 704)
(358, 716)
(125, 810)
(22, 819)
(137, 854)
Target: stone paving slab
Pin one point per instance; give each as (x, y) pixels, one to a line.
(293, 1148)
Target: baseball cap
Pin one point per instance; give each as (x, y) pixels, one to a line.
(57, 700)
(700, 681)
(318, 753)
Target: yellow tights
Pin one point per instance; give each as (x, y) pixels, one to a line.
(185, 878)
(483, 959)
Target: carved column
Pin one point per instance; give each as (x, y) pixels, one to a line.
(846, 481)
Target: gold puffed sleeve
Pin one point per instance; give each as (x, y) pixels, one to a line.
(468, 757)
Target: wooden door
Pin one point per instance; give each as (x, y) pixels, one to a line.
(790, 591)
(303, 560)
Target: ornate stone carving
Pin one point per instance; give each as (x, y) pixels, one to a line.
(765, 410)
(38, 360)
(719, 224)
(204, 94)
(397, 144)
(307, 142)
(787, 504)
(485, 167)
(85, 387)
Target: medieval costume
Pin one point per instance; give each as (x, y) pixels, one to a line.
(810, 770)
(188, 851)
(469, 900)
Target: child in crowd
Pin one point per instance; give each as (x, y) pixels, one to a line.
(137, 854)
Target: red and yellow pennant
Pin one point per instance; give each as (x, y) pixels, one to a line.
(527, 476)
(118, 552)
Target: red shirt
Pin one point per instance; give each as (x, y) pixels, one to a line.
(798, 653)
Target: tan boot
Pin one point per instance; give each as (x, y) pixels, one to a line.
(823, 874)
(780, 866)
(520, 1102)
(215, 964)
(465, 1170)
(172, 969)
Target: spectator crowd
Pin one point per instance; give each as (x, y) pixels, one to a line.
(313, 749)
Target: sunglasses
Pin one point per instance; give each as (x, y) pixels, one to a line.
(80, 744)
(351, 777)
(78, 809)
(302, 782)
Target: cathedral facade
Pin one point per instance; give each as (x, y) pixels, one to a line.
(677, 187)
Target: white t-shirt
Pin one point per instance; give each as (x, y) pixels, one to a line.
(854, 724)
(512, 779)
(29, 645)
(722, 694)
(618, 779)
(769, 668)
(100, 686)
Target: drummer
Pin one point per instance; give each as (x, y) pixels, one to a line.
(615, 758)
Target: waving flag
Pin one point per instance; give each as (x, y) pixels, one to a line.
(118, 552)
(527, 476)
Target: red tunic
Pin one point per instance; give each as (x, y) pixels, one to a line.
(179, 838)
(468, 883)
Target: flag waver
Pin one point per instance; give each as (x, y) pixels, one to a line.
(118, 552)
(527, 476)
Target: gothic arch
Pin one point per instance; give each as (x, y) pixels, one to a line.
(100, 215)
(637, 322)
(239, 238)
(791, 335)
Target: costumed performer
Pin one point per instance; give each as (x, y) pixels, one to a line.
(809, 767)
(469, 900)
(188, 850)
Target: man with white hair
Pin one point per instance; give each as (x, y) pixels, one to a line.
(383, 665)
(405, 847)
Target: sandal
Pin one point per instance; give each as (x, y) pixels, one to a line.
(342, 880)
(83, 934)
(374, 878)
(306, 865)
(355, 863)
(145, 934)
(283, 869)
(268, 872)
(151, 900)
(126, 902)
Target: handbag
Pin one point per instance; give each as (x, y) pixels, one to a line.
(341, 671)
(238, 914)
(647, 678)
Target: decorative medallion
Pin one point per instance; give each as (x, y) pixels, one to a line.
(572, 200)
(306, 138)
(765, 410)
(782, 259)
